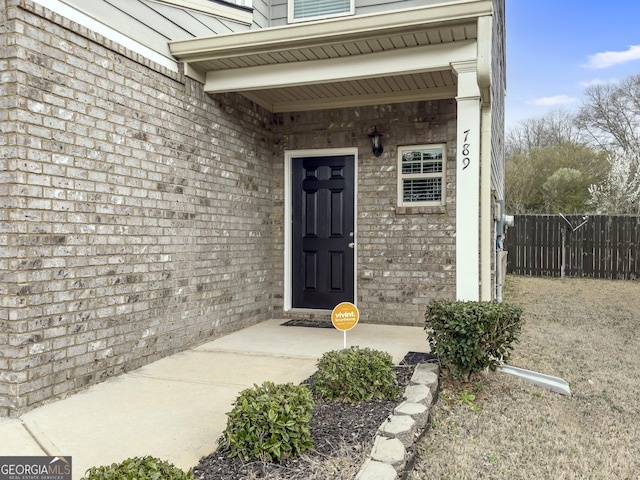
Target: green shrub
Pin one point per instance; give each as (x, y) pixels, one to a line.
(138, 468)
(356, 374)
(269, 422)
(471, 336)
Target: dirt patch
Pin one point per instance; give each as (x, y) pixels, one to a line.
(583, 330)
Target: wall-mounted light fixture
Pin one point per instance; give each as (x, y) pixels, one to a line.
(376, 145)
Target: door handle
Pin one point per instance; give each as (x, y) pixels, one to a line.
(351, 245)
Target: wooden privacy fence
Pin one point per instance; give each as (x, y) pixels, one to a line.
(601, 246)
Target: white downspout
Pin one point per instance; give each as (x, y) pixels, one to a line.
(485, 31)
(499, 279)
(486, 216)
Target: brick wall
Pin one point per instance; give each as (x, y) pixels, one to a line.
(136, 210)
(141, 216)
(410, 252)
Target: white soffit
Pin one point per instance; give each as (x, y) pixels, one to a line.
(389, 57)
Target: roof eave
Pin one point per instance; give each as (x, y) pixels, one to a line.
(328, 31)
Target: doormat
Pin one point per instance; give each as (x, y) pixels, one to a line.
(308, 323)
(414, 358)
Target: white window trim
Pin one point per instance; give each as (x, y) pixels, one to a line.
(292, 19)
(402, 177)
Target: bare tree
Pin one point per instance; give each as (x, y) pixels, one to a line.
(549, 166)
(610, 115)
(535, 133)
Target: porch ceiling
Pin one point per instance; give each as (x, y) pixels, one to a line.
(363, 60)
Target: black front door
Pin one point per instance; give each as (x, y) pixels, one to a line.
(323, 231)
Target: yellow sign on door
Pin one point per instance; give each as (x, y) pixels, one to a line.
(345, 316)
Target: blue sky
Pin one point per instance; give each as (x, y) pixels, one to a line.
(556, 48)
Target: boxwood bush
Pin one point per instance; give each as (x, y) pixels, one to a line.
(469, 337)
(269, 422)
(138, 468)
(356, 374)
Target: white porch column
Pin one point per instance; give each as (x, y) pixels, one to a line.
(468, 183)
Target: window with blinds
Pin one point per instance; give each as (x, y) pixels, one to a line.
(421, 175)
(300, 10)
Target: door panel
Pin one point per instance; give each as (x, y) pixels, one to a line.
(323, 225)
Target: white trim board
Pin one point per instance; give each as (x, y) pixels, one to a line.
(312, 72)
(210, 8)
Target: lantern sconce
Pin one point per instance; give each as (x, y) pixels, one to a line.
(376, 145)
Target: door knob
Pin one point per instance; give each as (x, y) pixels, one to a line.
(351, 245)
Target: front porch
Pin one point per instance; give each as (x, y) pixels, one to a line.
(330, 82)
(174, 408)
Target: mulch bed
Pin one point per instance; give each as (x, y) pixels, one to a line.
(338, 430)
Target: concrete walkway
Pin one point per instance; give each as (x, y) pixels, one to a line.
(174, 409)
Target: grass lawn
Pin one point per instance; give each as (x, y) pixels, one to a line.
(585, 331)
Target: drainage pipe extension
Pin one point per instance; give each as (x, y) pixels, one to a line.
(554, 384)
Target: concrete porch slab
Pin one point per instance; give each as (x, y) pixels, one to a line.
(175, 408)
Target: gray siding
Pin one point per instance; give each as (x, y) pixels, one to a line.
(363, 7)
(154, 24)
(261, 14)
(278, 12)
(498, 91)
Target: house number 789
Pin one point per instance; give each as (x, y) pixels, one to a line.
(465, 150)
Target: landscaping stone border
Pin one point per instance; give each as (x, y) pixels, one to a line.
(389, 456)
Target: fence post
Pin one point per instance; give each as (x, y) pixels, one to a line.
(563, 235)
